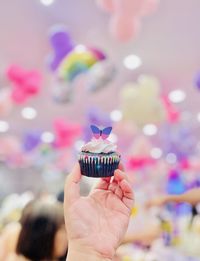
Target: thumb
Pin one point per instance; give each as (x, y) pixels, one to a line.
(72, 185)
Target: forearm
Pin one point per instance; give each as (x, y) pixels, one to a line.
(143, 236)
(192, 197)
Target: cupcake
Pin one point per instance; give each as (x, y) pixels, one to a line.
(98, 158)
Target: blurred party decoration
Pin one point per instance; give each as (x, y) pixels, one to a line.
(69, 61)
(100, 75)
(177, 140)
(97, 117)
(197, 80)
(141, 101)
(47, 137)
(141, 146)
(61, 43)
(31, 140)
(4, 126)
(78, 61)
(150, 130)
(25, 84)
(29, 113)
(47, 2)
(65, 133)
(9, 146)
(132, 62)
(173, 115)
(177, 96)
(139, 162)
(140, 154)
(124, 28)
(126, 130)
(61, 92)
(106, 5)
(126, 16)
(6, 103)
(175, 184)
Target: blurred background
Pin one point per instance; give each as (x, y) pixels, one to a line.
(131, 65)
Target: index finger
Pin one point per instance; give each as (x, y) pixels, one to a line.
(121, 167)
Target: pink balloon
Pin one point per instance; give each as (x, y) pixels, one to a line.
(24, 83)
(140, 162)
(125, 22)
(106, 5)
(150, 6)
(18, 97)
(65, 133)
(173, 114)
(6, 104)
(123, 28)
(131, 8)
(15, 73)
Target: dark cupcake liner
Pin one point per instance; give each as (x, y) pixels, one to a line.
(94, 169)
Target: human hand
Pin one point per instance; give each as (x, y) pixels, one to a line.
(158, 201)
(97, 223)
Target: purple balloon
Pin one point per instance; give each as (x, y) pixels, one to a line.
(197, 80)
(31, 140)
(61, 43)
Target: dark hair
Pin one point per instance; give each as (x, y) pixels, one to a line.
(40, 222)
(60, 196)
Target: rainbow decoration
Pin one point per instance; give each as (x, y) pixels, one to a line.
(78, 61)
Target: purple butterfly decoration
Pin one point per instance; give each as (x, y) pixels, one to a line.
(104, 133)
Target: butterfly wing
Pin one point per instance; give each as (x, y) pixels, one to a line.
(96, 131)
(106, 132)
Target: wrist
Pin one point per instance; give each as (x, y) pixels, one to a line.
(75, 255)
(82, 252)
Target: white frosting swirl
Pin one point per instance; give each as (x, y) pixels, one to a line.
(99, 146)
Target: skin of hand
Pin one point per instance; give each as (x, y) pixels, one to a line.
(145, 236)
(157, 201)
(191, 196)
(96, 224)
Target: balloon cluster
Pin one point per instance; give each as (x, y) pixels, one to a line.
(69, 61)
(126, 16)
(63, 136)
(141, 102)
(38, 148)
(25, 84)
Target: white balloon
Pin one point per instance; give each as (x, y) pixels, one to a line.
(100, 75)
(62, 91)
(141, 103)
